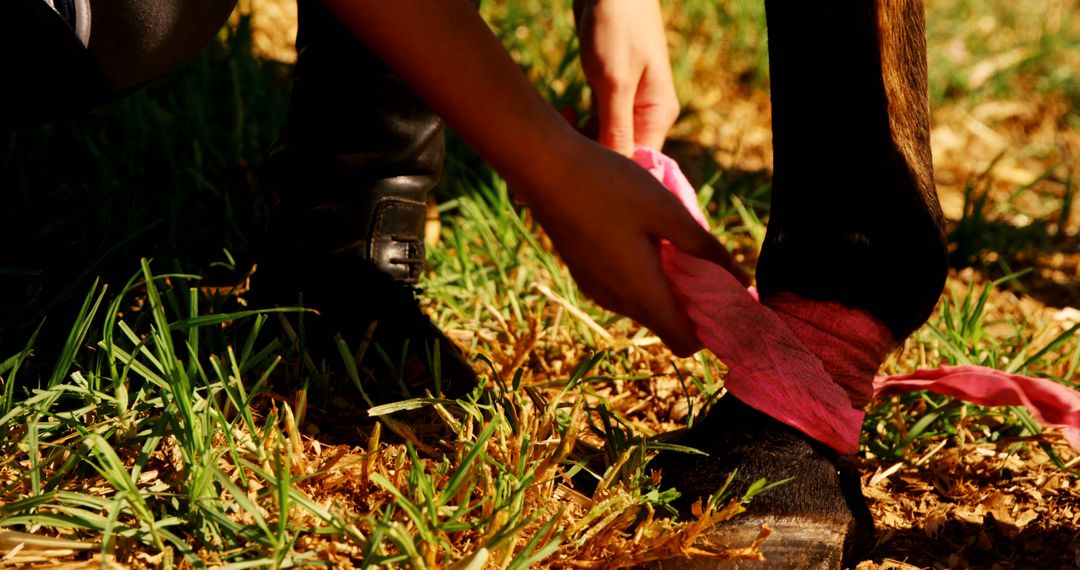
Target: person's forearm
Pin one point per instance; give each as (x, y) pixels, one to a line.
(446, 52)
(606, 215)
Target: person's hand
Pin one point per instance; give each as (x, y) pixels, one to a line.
(606, 217)
(625, 58)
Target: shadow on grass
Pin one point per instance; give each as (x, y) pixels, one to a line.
(997, 248)
(960, 544)
(169, 172)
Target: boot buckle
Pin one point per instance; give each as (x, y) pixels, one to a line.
(396, 243)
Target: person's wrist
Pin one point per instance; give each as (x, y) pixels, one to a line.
(553, 151)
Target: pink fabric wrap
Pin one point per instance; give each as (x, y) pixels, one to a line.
(811, 364)
(1049, 402)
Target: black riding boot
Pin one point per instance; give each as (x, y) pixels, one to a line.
(351, 174)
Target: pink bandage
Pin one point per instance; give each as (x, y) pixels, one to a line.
(1049, 402)
(811, 364)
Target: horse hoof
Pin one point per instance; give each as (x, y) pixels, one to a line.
(818, 519)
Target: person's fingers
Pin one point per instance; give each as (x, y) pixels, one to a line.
(660, 311)
(616, 111)
(678, 227)
(676, 330)
(648, 133)
(657, 108)
(647, 299)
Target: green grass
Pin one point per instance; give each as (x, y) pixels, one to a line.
(998, 51)
(152, 442)
(147, 415)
